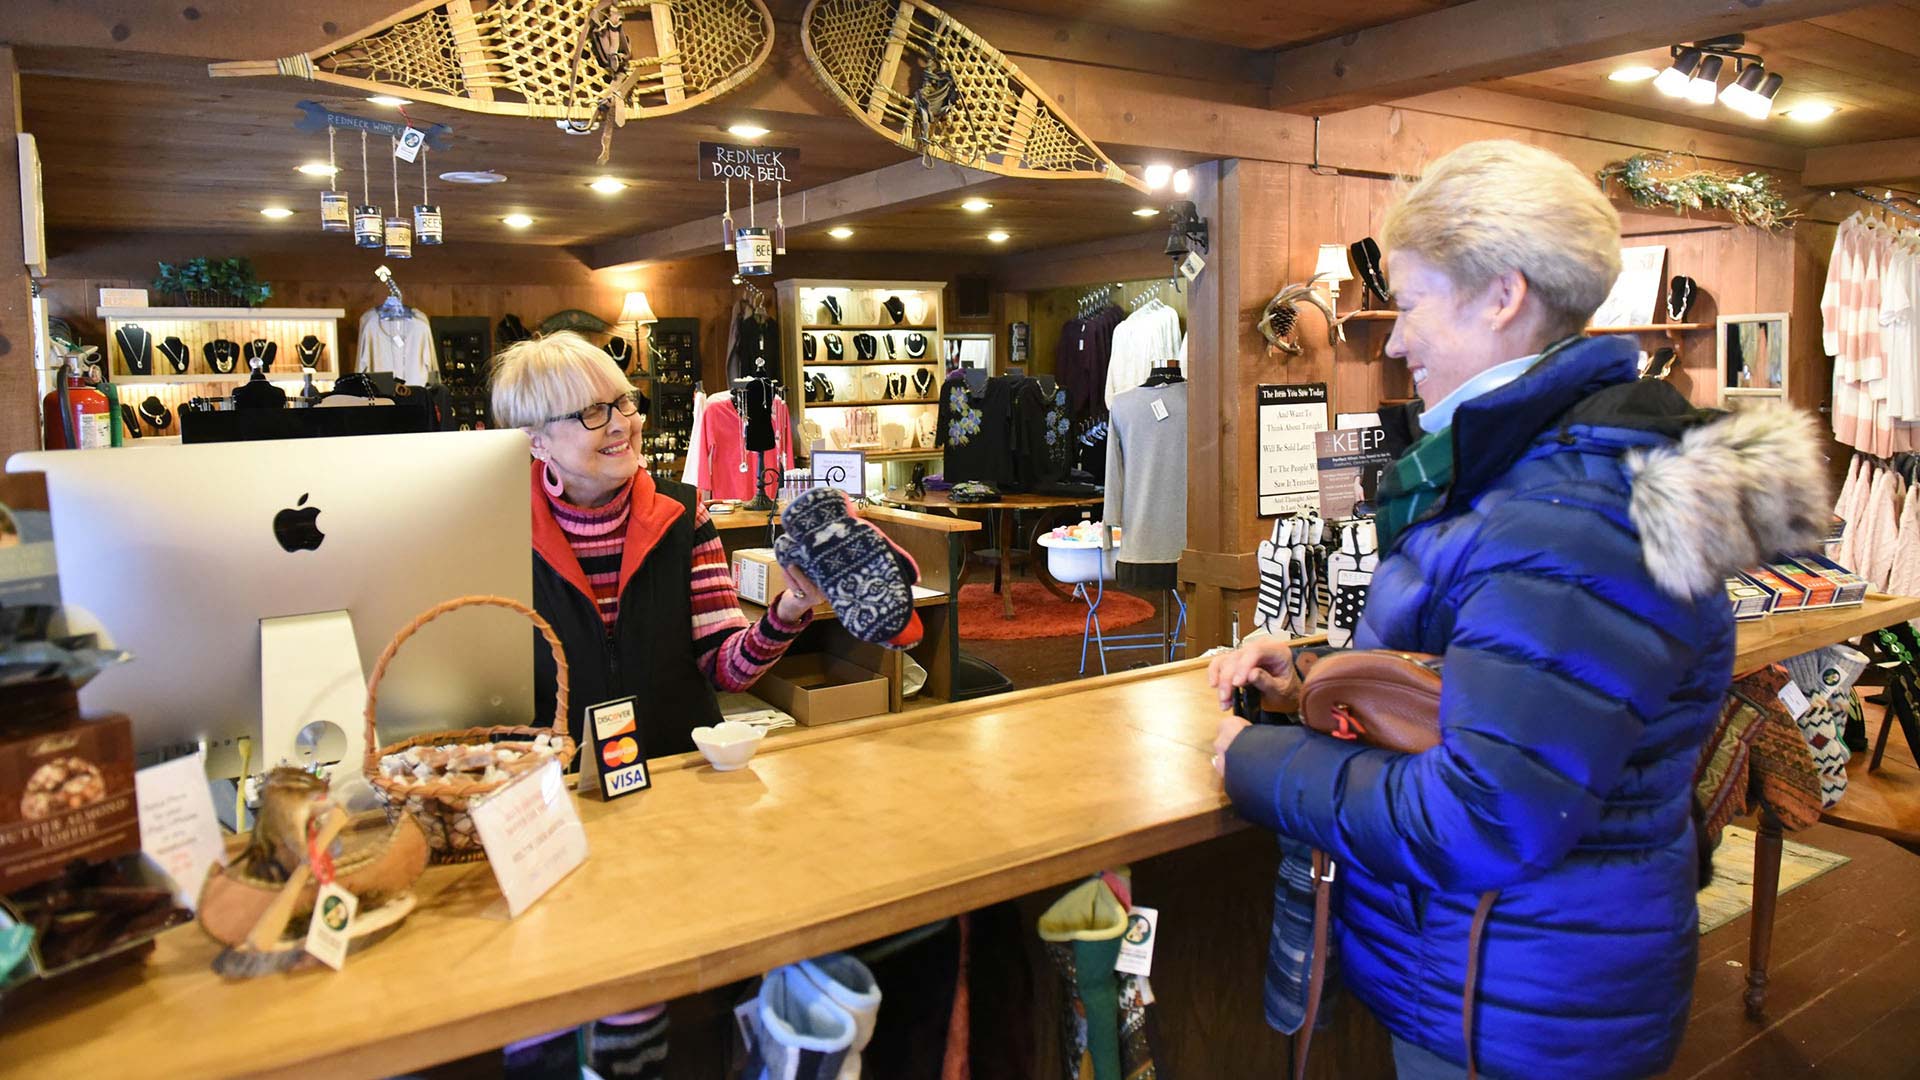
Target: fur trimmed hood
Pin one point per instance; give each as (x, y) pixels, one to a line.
(1729, 494)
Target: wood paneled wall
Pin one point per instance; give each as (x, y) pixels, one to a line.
(1269, 220)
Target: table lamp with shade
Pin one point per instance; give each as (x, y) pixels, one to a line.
(640, 313)
(1333, 269)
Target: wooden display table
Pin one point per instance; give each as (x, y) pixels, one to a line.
(1001, 512)
(1767, 641)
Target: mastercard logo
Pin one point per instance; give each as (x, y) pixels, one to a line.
(620, 752)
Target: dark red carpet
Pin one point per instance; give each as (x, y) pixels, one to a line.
(1038, 613)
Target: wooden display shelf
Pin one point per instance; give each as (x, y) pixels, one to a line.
(219, 314)
(276, 375)
(1790, 633)
(904, 455)
(924, 361)
(855, 404)
(1648, 328)
(867, 328)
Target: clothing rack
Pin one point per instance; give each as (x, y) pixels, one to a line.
(1891, 203)
(1093, 299)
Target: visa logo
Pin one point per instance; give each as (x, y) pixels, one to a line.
(631, 778)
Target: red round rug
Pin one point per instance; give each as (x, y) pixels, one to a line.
(1038, 613)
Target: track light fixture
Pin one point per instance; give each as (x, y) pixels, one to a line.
(1694, 75)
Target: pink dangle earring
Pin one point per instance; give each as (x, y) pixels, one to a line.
(550, 480)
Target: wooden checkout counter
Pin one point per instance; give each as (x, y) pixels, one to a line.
(833, 837)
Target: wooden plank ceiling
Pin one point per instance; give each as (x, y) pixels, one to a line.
(1249, 24)
(1864, 62)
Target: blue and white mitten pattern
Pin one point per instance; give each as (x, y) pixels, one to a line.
(867, 579)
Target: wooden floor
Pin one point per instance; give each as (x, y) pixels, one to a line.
(1887, 802)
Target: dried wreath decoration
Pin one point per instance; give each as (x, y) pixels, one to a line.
(1752, 198)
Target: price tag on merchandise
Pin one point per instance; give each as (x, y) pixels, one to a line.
(1191, 266)
(1795, 701)
(1136, 945)
(407, 146)
(1159, 409)
(331, 931)
(532, 834)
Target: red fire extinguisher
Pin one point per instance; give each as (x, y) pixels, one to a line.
(74, 415)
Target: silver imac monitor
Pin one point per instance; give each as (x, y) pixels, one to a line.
(186, 555)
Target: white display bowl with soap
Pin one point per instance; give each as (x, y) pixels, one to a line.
(729, 744)
(1075, 554)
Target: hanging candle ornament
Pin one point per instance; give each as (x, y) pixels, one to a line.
(753, 248)
(369, 227)
(426, 216)
(779, 220)
(399, 237)
(726, 219)
(336, 214)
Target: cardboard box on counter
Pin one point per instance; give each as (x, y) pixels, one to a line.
(66, 793)
(757, 576)
(1749, 601)
(819, 689)
(1786, 596)
(1849, 588)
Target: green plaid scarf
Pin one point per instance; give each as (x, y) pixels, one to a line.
(1414, 485)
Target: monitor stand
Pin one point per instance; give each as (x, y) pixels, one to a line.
(313, 699)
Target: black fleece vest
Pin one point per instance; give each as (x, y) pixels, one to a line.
(650, 653)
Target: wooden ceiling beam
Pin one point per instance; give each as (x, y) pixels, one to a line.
(895, 187)
(226, 29)
(1490, 39)
(1862, 163)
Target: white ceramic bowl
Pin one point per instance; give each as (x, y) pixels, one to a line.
(729, 744)
(1074, 562)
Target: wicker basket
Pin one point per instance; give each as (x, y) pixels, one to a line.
(441, 806)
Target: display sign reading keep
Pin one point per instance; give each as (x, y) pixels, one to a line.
(759, 164)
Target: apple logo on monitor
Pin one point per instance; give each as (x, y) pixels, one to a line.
(297, 528)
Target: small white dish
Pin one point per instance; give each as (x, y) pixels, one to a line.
(729, 744)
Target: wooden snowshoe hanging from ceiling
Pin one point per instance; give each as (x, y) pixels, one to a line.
(907, 70)
(551, 59)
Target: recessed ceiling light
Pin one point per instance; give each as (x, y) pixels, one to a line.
(389, 99)
(1158, 175)
(480, 176)
(516, 221)
(1636, 73)
(746, 131)
(997, 236)
(316, 168)
(608, 185)
(839, 232)
(276, 212)
(974, 206)
(1811, 113)
(1146, 211)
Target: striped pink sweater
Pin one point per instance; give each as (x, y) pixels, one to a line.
(731, 653)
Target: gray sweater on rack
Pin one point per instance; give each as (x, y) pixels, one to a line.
(1147, 473)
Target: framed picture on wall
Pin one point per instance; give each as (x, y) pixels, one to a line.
(1636, 292)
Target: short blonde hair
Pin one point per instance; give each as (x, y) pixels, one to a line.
(1494, 206)
(538, 379)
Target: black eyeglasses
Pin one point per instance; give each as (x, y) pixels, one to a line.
(600, 413)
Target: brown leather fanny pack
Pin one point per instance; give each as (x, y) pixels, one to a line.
(1389, 700)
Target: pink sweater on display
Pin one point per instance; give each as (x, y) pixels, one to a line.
(722, 450)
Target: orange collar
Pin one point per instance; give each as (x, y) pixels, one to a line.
(651, 515)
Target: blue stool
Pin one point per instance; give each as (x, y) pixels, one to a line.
(1084, 564)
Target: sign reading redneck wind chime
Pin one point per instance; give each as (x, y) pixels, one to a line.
(371, 227)
(753, 248)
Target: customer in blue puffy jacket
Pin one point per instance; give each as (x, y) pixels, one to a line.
(1560, 534)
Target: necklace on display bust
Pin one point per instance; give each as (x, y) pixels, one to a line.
(178, 357)
(865, 347)
(1680, 296)
(896, 386)
(621, 352)
(808, 348)
(136, 348)
(922, 382)
(264, 351)
(916, 345)
(222, 355)
(836, 349)
(130, 420)
(833, 309)
(896, 309)
(156, 414)
(310, 348)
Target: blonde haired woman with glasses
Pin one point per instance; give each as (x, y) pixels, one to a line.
(628, 569)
